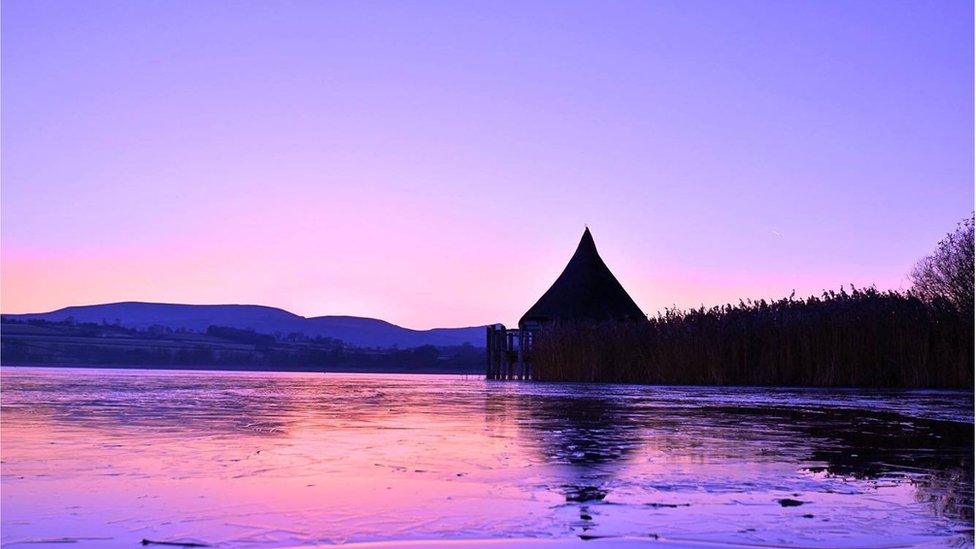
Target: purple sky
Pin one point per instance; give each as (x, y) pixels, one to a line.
(433, 164)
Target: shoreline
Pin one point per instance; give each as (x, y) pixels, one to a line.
(263, 370)
(481, 374)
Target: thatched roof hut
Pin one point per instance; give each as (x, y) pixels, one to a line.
(585, 291)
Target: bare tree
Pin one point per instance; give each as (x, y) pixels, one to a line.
(947, 274)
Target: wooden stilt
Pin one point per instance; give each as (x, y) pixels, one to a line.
(509, 353)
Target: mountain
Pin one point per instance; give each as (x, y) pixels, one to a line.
(356, 331)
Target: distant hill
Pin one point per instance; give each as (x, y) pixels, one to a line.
(356, 331)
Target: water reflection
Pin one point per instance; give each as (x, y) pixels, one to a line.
(271, 460)
(935, 456)
(590, 434)
(588, 440)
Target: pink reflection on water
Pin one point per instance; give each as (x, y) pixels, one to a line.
(273, 460)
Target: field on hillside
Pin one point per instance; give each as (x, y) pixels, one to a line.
(64, 343)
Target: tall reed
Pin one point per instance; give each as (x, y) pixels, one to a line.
(862, 337)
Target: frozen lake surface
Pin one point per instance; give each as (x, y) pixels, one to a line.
(108, 458)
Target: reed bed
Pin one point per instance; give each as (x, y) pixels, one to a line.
(856, 338)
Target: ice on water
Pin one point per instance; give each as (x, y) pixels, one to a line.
(108, 458)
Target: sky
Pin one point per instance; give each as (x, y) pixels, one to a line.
(435, 163)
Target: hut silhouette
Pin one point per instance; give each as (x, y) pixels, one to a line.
(586, 291)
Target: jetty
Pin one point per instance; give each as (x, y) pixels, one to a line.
(586, 291)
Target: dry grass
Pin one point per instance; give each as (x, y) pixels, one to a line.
(862, 338)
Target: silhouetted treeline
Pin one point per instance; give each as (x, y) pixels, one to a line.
(857, 338)
(241, 336)
(39, 342)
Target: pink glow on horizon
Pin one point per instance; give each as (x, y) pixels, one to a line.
(501, 294)
(434, 165)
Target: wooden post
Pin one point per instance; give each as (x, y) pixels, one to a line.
(488, 354)
(496, 347)
(509, 353)
(521, 354)
(494, 355)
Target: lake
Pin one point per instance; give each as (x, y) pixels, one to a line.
(108, 458)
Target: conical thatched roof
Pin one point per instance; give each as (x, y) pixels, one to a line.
(585, 291)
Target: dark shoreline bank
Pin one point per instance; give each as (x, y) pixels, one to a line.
(38, 342)
(258, 369)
